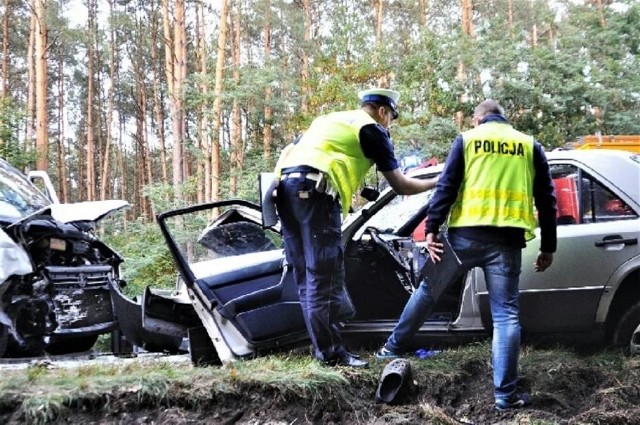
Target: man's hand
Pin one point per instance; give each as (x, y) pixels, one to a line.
(434, 247)
(544, 260)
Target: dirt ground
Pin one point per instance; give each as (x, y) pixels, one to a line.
(566, 389)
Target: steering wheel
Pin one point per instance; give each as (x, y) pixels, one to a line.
(388, 247)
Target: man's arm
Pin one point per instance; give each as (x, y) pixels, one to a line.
(545, 200)
(447, 188)
(376, 144)
(404, 185)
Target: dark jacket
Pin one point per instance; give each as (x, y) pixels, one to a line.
(450, 182)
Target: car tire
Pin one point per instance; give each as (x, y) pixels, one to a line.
(626, 333)
(14, 350)
(71, 345)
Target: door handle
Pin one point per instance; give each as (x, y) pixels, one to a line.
(615, 240)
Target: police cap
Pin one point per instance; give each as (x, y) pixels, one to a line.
(383, 96)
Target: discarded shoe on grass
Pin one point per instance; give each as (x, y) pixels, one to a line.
(395, 379)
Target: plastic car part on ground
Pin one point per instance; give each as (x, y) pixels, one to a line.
(425, 354)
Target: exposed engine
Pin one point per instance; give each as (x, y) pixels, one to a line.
(69, 288)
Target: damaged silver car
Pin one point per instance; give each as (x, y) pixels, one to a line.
(56, 275)
(235, 278)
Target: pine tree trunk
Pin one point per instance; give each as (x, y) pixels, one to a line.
(31, 90)
(142, 164)
(236, 152)
(147, 175)
(510, 12)
(171, 56)
(180, 70)
(122, 172)
(305, 72)
(106, 157)
(377, 7)
(467, 28)
(422, 13)
(158, 107)
(5, 50)
(600, 8)
(217, 104)
(42, 119)
(90, 159)
(467, 17)
(63, 180)
(268, 93)
(204, 143)
(99, 120)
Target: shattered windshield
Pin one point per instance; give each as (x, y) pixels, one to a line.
(18, 197)
(397, 212)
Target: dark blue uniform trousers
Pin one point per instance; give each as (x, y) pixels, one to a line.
(311, 227)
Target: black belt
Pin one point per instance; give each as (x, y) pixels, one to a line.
(323, 185)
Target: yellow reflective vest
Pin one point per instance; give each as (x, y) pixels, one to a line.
(332, 145)
(497, 188)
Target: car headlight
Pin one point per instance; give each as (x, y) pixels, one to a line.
(57, 244)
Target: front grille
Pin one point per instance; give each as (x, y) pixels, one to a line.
(82, 297)
(82, 276)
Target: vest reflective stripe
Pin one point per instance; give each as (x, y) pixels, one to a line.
(332, 145)
(498, 182)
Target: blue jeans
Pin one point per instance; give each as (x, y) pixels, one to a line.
(311, 227)
(501, 266)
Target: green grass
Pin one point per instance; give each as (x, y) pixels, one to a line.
(43, 393)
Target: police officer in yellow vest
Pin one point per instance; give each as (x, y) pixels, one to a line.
(487, 190)
(319, 174)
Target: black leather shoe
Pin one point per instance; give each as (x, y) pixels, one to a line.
(350, 361)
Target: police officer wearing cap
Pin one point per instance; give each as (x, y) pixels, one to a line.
(319, 174)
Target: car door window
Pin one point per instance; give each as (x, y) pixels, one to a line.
(600, 204)
(582, 199)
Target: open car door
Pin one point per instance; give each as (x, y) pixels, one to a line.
(236, 276)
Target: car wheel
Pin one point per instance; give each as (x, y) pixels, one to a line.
(626, 333)
(71, 345)
(33, 348)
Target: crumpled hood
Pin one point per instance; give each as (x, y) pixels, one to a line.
(86, 211)
(15, 260)
(79, 211)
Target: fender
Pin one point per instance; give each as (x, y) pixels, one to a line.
(612, 286)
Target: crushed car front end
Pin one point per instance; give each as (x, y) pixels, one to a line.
(57, 275)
